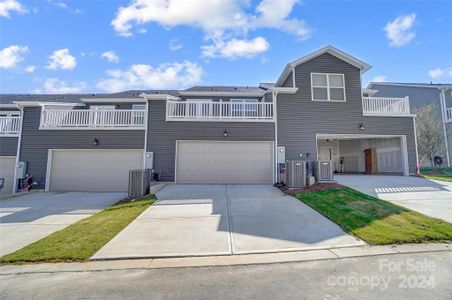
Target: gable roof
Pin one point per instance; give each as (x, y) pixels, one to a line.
(328, 49)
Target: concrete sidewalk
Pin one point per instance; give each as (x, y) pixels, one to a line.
(228, 260)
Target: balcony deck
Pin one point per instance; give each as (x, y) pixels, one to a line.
(386, 107)
(9, 126)
(92, 119)
(200, 110)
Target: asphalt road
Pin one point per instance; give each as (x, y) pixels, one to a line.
(407, 276)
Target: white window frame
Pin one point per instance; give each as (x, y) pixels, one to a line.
(328, 87)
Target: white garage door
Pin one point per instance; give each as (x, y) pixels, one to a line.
(93, 170)
(7, 164)
(224, 162)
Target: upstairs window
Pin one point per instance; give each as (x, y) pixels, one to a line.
(327, 87)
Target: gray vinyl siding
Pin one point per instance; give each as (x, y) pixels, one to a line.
(162, 135)
(8, 146)
(35, 142)
(300, 118)
(289, 81)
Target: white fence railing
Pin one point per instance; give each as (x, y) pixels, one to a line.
(92, 118)
(449, 114)
(381, 106)
(9, 126)
(225, 111)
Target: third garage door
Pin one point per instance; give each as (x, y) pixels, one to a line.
(224, 162)
(93, 170)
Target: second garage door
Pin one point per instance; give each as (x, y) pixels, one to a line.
(224, 162)
(93, 170)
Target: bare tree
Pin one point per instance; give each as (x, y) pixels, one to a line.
(429, 131)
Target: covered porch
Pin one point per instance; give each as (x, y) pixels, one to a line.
(364, 154)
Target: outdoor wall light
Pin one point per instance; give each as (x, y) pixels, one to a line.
(361, 126)
(225, 133)
(95, 142)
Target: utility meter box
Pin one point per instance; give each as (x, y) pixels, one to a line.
(21, 169)
(149, 160)
(281, 157)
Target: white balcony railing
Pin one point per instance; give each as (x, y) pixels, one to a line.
(200, 110)
(92, 119)
(449, 114)
(9, 126)
(381, 106)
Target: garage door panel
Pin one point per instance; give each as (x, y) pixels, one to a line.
(7, 166)
(98, 170)
(224, 162)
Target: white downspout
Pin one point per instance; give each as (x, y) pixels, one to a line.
(19, 142)
(275, 117)
(442, 98)
(145, 132)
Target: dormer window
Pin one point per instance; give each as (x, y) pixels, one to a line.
(327, 87)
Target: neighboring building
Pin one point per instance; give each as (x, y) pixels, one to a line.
(421, 94)
(217, 134)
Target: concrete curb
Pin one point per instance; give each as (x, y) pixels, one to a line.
(227, 260)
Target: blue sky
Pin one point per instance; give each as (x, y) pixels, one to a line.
(106, 46)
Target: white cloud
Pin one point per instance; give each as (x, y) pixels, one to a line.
(111, 56)
(209, 15)
(379, 78)
(63, 5)
(175, 44)
(30, 69)
(439, 73)
(62, 59)
(11, 56)
(142, 76)
(217, 18)
(7, 6)
(234, 48)
(57, 86)
(399, 31)
(275, 14)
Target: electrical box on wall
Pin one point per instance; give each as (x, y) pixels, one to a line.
(149, 160)
(21, 169)
(281, 157)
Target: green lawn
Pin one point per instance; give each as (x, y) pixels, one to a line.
(81, 240)
(376, 221)
(444, 174)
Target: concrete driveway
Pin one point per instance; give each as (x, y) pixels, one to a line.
(196, 220)
(28, 218)
(430, 197)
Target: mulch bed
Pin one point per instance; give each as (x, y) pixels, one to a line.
(316, 187)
